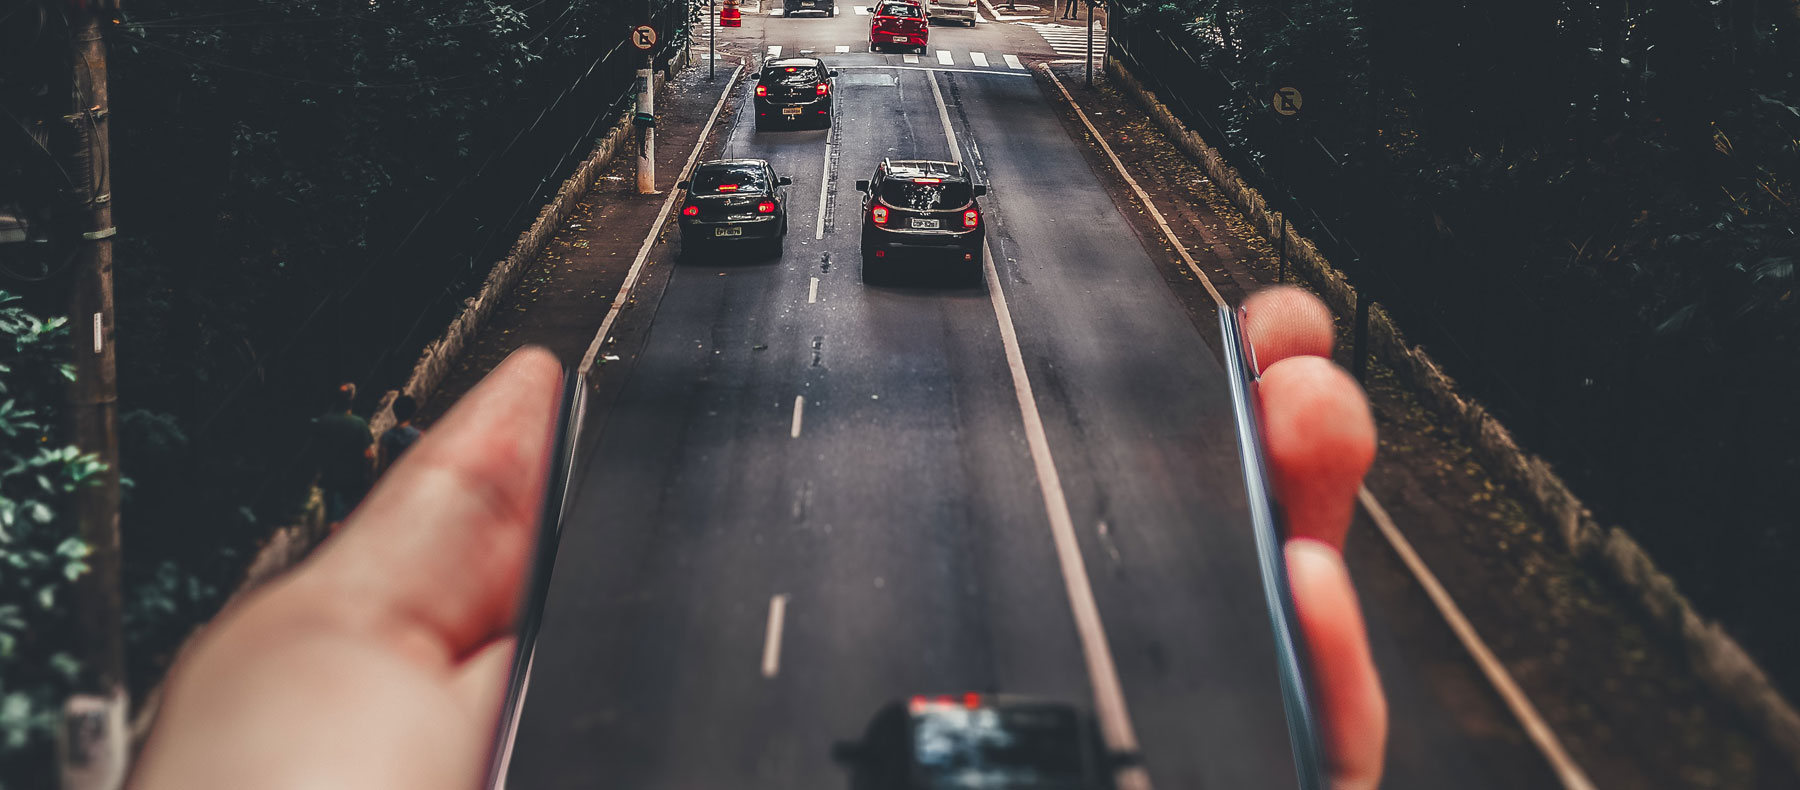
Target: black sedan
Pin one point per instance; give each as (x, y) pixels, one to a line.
(921, 207)
(794, 91)
(949, 742)
(736, 201)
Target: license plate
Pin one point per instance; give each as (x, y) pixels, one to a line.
(925, 224)
(901, 39)
(790, 111)
(728, 231)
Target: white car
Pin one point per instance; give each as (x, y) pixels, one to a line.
(959, 10)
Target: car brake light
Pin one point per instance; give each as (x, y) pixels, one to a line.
(691, 211)
(879, 214)
(970, 218)
(728, 187)
(765, 207)
(762, 90)
(971, 700)
(791, 69)
(823, 89)
(928, 181)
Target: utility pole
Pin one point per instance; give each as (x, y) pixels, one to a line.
(712, 42)
(644, 38)
(93, 742)
(1090, 49)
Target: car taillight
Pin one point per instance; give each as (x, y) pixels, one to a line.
(823, 89)
(765, 207)
(691, 211)
(879, 214)
(762, 90)
(970, 218)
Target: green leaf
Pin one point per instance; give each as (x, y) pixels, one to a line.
(46, 598)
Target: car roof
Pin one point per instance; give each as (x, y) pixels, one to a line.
(794, 61)
(924, 168)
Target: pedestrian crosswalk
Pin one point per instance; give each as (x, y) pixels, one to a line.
(948, 58)
(1070, 41)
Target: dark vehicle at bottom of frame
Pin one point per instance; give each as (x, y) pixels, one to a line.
(989, 741)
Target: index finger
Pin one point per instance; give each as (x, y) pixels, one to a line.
(436, 556)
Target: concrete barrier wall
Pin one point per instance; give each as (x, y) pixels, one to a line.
(1716, 658)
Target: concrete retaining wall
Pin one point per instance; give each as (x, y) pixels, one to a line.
(1716, 658)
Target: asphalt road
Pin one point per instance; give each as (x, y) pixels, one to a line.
(904, 530)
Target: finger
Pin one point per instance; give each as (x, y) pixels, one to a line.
(1321, 440)
(1347, 688)
(1284, 322)
(436, 556)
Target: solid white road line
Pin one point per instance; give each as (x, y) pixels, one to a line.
(944, 57)
(777, 11)
(910, 58)
(1571, 774)
(1012, 62)
(774, 51)
(824, 187)
(771, 663)
(980, 58)
(1103, 674)
(812, 291)
(637, 266)
(841, 48)
(1573, 778)
(799, 409)
(941, 69)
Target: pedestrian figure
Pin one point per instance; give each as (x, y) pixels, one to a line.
(344, 452)
(1069, 9)
(400, 437)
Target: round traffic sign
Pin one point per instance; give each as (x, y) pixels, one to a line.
(643, 37)
(1287, 101)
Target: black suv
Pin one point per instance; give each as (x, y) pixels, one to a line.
(735, 200)
(922, 206)
(950, 742)
(794, 91)
(792, 7)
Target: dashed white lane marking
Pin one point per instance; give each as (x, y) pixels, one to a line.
(910, 58)
(637, 265)
(771, 663)
(1012, 62)
(774, 50)
(777, 11)
(1573, 778)
(944, 57)
(824, 190)
(1103, 674)
(841, 48)
(812, 291)
(799, 409)
(862, 10)
(980, 58)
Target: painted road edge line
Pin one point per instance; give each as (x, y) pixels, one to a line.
(1103, 673)
(1571, 775)
(637, 266)
(1539, 731)
(771, 658)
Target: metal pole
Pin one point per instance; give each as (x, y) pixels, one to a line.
(93, 742)
(1090, 49)
(712, 43)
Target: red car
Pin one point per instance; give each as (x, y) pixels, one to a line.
(899, 23)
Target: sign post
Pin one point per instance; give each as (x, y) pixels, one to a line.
(644, 38)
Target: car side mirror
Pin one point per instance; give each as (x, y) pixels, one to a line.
(784, 181)
(862, 186)
(848, 752)
(681, 185)
(979, 190)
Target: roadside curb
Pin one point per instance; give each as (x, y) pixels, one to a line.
(1717, 659)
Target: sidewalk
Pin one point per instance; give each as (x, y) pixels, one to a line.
(566, 292)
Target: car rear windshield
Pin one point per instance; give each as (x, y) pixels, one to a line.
(791, 75)
(925, 196)
(988, 748)
(907, 10)
(728, 179)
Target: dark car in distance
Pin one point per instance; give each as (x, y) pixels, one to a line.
(994, 742)
(921, 207)
(794, 91)
(792, 7)
(734, 201)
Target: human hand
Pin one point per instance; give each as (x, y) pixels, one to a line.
(1321, 441)
(381, 662)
